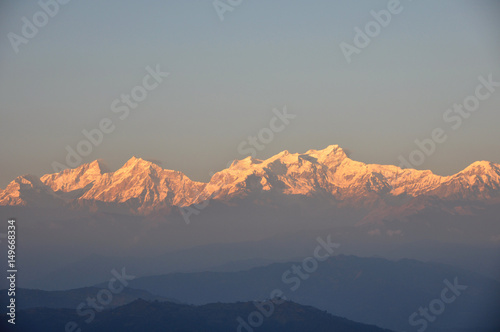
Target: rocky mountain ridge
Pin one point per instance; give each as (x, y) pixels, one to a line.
(142, 187)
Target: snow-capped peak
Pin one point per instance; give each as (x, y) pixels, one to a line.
(328, 151)
(77, 178)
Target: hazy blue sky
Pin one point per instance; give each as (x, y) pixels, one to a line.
(227, 76)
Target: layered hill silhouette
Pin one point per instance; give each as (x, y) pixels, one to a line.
(142, 315)
(368, 290)
(70, 299)
(372, 291)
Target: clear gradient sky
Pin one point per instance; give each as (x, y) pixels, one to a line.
(227, 76)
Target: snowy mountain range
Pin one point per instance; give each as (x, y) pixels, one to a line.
(142, 187)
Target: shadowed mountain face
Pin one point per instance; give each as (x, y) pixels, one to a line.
(369, 290)
(327, 176)
(141, 315)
